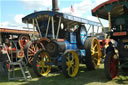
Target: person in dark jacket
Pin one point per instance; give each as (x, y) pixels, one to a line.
(3, 62)
(110, 48)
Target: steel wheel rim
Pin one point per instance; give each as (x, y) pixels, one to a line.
(113, 70)
(72, 63)
(95, 53)
(42, 68)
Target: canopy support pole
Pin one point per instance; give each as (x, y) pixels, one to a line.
(47, 27)
(109, 18)
(33, 29)
(92, 30)
(97, 29)
(58, 28)
(38, 27)
(100, 23)
(53, 33)
(89, 27)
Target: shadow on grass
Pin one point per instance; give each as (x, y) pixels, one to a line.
(122, 78)
(83, 78)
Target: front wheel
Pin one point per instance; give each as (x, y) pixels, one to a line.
(70, 64)
(111, 65)
(39, 63)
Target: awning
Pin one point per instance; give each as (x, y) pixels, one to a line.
(116, 7)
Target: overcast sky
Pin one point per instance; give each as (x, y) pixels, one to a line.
(12, 11)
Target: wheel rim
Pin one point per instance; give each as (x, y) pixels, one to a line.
(95, 53)
(72, 63)
(23, 40)
(32, 50)
(113, 69)
(41, 61)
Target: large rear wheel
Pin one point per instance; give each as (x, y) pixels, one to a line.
(93, 53)
(111, 65)
(30, 49)
(39, 63)
(70, 64)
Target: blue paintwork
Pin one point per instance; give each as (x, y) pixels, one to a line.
(72, 44)
(83, 36)
(73, 37)
(82, 52)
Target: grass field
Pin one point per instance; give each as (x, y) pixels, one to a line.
(84, 77)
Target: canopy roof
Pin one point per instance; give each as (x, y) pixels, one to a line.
(66, 18)
(116, 7)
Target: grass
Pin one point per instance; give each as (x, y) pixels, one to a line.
(84, 77)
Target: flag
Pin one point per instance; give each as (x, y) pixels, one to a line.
(72, 8)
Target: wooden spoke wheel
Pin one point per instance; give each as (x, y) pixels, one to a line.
(30, 50)
(23, 40)
(70, 64)
(39, 63)
(93, 53)
(111, 65)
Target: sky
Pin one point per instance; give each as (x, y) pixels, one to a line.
(12, 11)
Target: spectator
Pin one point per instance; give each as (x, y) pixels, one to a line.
(3, 62)
(110, 48)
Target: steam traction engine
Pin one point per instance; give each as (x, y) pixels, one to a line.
(63, 42)
(116, 11)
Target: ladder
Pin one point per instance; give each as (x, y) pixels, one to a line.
(12, 71)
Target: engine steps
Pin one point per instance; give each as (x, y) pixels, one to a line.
(12, 72)
(22, 66)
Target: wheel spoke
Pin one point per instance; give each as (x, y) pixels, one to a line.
(31, 54)
(31, 50)
(30, 59)
(68, 63)
(42, 46)
(69, 70)
(68, 58)
(42, 71)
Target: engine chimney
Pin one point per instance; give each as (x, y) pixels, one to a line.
(55, 5)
